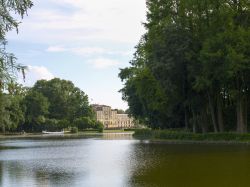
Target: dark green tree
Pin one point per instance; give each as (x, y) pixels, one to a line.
(197, 54)
(37, 108)
(143, 93)
(66, 101)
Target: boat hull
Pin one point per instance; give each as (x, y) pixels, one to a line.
(46, 132)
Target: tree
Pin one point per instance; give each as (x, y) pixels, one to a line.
(8, 65)
(17, 111)
(196, 53)
(5, 121)
(37, 108)
(83, 123)
(143, 93)
(12, 108)
(66, 101)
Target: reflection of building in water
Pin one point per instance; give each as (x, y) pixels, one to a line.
(111, 119)
(117, 136)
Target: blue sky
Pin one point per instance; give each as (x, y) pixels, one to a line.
(85, 41)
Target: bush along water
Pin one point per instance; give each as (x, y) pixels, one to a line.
(188, 136)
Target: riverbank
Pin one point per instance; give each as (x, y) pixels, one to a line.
(80, 133)
(187, 137)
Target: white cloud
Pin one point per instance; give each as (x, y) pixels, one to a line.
(88, 51)
(87, 20)
(84, 51)
(35, 73)
(56, 49)
(102, 63)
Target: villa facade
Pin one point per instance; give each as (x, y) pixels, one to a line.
(111, 119)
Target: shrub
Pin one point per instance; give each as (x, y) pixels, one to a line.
(182, 135)
(143, 133)
(74, 130)
(51, 125)
(83, 123)
(63, 124)
(132, 129)
(99, 126)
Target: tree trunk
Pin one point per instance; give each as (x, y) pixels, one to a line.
(204, 122)
(3, 129)
(241, 126)
(186, 119)
(184, 92)
(246, 112)
(194, 127)
(194, 122)
(211, 107)
(220, 115)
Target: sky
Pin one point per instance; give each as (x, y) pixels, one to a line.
(84, 41)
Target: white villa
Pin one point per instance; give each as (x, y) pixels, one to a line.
(111, 119)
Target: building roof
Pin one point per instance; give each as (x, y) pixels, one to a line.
(98, 107)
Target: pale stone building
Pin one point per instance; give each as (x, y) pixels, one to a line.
(111, 119)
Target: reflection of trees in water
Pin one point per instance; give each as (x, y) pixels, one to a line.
(1, 173)
(149, 164)
(29, 173)
(145, 159)
(191, 165)
(44, 178)
(10, 173)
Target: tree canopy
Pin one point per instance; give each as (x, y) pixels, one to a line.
(56, 104)
(191, 68)
(48, 105)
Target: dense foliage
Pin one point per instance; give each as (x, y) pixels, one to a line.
(49, 105)
(192, 67)
(176, 136)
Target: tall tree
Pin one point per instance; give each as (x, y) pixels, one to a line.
(37, 108)
(198, 54)
(66, 100)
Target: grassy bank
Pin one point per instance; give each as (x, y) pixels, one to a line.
(187, 136)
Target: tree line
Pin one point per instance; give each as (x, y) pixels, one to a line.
(49, 105)
(191, 69)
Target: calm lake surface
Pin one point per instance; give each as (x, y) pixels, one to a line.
(117, 160)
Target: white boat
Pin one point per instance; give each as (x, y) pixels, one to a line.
(46, 132)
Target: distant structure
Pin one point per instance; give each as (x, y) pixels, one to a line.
(111, 119)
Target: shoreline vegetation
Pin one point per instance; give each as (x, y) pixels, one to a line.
(153, 136)
(176, 137)
(68, 133)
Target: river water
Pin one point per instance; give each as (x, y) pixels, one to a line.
(117, 160)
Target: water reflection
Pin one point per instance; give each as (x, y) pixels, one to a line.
(66, 162)
(31, 174)
(119, 160)
(191, 165)
(117, 136)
